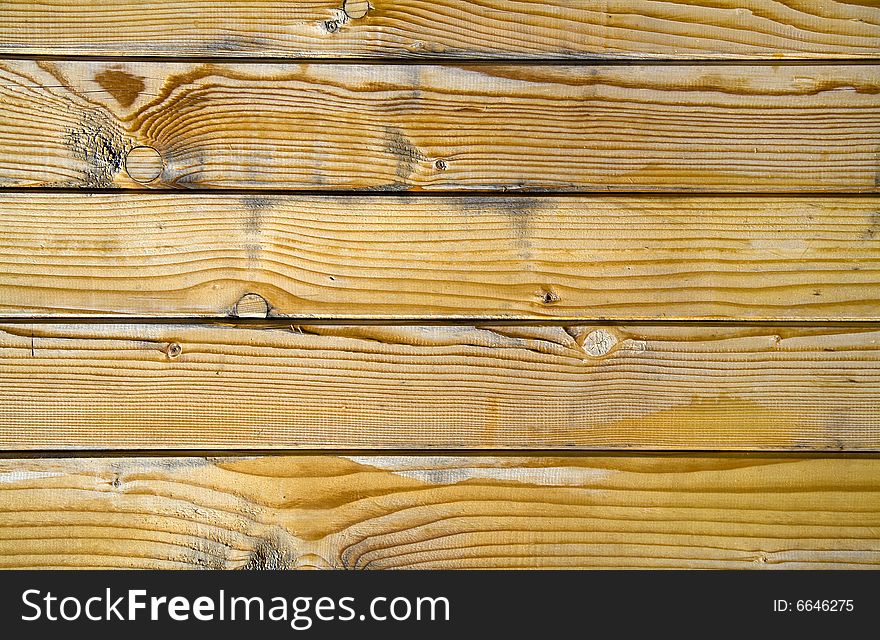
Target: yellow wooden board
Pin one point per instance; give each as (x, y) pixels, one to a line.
(621, 258)
(166, 386)
(742, 128)
(434, 28)
(378, 512)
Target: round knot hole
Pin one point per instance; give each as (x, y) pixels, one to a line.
(144, 164)
(356, 8)
(252, 305)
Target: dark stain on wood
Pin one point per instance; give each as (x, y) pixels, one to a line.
(255, 206)
(406, 155)
(873, 228)
(123, 86)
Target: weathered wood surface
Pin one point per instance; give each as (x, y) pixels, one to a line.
(407, 127)
(377, 512)
(433, 28)
(166, 386)
(621, 258)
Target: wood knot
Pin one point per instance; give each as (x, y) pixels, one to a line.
(548, 297)
(331, 26)
(173, 350)
(598, 343)
(440, 165)
(252, 305)
(355, 8)
(144, 164)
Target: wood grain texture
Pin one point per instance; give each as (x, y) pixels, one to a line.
(430, 127)
(166, 386)
(441, 512)
(386, 257)
(563, 29)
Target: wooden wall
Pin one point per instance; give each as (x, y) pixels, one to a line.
(440, 284)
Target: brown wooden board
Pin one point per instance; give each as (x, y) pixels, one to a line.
(562, 29)
(461, 511)
(384, 257)
(741, 128)
(165, 386)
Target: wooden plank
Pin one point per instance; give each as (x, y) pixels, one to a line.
(378, 512)
(386, 257)
(166, 386)
(433, 28)
(429, 127)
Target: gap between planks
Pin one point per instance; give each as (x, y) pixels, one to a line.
(416, 195)
(453, 61)
(287, 323)
(415, 454)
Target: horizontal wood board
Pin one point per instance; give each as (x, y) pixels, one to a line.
(165, 386)
(386, 257)
(560, 29)
(393, 127)
(441, 512)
